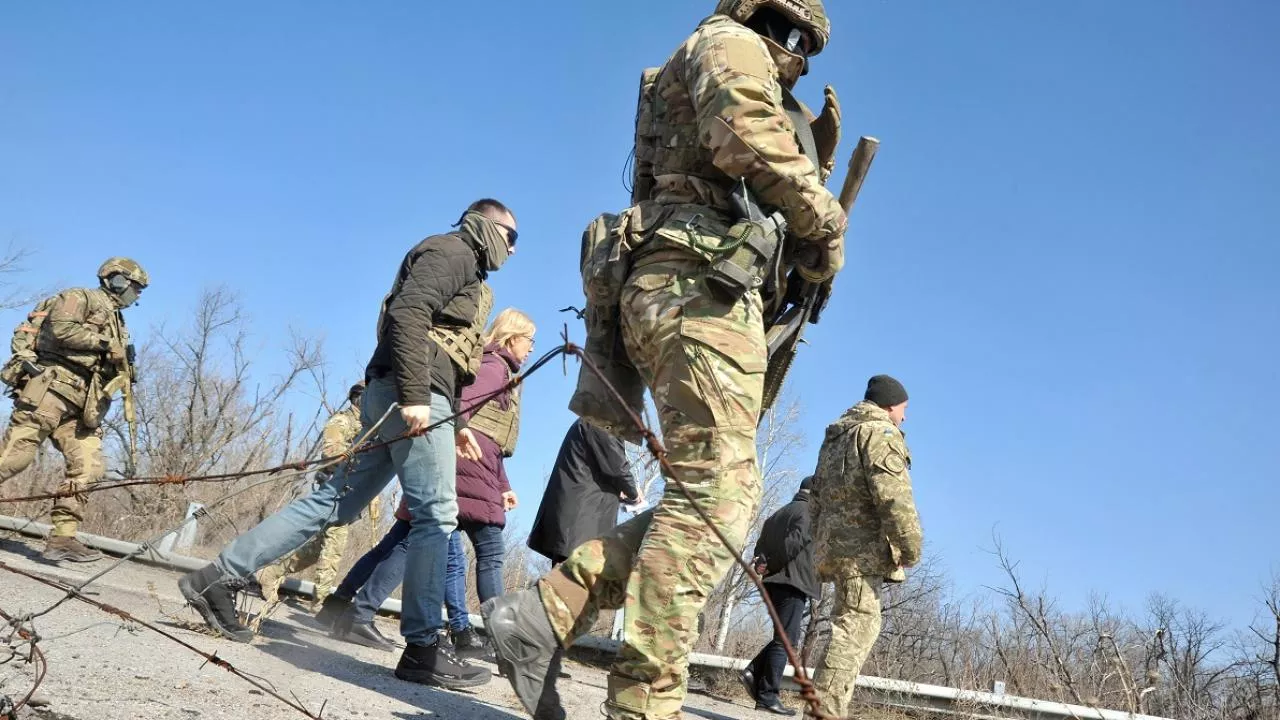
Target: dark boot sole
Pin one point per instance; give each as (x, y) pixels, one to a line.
(197, 601)
(423, 677)
(363, 642)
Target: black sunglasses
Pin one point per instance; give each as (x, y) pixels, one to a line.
(511, 232)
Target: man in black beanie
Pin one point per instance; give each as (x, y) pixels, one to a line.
(865, 529)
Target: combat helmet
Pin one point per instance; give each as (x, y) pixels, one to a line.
(808, 15)
(356, 391)
(126, 267)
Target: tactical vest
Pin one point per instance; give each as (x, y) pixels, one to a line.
(102, 318)
(503, 426)
(458, 336)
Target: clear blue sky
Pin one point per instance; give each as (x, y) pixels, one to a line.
(1067, 248)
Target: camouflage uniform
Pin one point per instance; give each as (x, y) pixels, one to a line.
(82, 347)
(324, 551)
(865, 530)
(716, 115)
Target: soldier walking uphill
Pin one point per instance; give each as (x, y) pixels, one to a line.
(428, 349)
(865, 529)
(62, 385)
(325, 550)
(713, 120)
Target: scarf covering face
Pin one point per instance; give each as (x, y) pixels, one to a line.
(790, 65)
(489, 238)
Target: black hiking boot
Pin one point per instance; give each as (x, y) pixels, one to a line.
(331, 609)
(468, 644)
(215, 600)
(526, 647)
(437, 664)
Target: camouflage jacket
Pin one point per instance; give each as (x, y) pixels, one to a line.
(82, 327)
(714, 114)
(342, 429)
(865, 520)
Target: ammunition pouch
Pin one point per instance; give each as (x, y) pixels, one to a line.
(35, 388)
(13, 372)
(748, 259)
(606, 258)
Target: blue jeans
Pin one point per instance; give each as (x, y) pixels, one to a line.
(486, 540)
(455, 585)
(427, 469)
(377, 574)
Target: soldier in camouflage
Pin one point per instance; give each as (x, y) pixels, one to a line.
(866, 530)
(323, 551)
(62, 393)
(711, 118)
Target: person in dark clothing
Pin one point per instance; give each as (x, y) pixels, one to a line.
(785, 557)
(581, 501)
(429, 342)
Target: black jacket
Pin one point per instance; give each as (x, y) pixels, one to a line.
(431, 274)
(786, 544)
(581, 499)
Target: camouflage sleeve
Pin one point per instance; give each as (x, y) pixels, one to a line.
(733, 83)
(334, 436)
(67, 326)
(884, 461)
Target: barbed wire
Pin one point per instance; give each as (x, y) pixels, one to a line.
(23, 629)
(294, 469)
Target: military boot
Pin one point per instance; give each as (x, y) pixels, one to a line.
(526, 646)
(215, 600)
(58, 548)
(331, 609)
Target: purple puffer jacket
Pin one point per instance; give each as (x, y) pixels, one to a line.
(482, 482)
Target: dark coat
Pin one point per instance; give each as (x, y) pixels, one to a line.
(431, 274)
(482, 482)
(786, 544)
(582, 496)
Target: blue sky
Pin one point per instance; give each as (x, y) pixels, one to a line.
(1066, 248)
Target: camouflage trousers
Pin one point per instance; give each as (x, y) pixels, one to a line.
(324, 551)
(56, 419)
(704, 360)
(855, 625)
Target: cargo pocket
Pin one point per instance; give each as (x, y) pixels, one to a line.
(726, 360)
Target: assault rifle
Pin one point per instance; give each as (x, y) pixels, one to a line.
(804, 301)
(123, 382)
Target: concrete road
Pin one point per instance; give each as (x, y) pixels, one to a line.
(103, 669)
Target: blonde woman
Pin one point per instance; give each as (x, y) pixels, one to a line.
(484, 493)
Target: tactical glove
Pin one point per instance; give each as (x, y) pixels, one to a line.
(116, 354)
(826, 133)
(820, 261)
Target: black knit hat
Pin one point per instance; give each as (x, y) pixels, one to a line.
(806, 484)
(885, 392)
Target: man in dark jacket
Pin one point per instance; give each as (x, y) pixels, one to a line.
(582, 496)
(784, 555)
(428, 348)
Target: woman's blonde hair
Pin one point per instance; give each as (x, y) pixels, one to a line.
(510, 323)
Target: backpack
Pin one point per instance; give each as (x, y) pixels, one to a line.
(23, 345)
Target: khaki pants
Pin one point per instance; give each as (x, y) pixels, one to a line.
(57, 419)
(703, 360)
(323, 551)
(855, 625)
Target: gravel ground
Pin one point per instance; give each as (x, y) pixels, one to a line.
(103, 669)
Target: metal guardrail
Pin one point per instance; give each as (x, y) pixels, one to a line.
(901, 694)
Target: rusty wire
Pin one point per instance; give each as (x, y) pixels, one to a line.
(34, 654)
(655, 447)
(210, 658)
(298, 468)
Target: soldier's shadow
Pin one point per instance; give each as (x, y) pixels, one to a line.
(308, 650)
